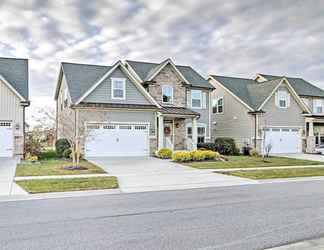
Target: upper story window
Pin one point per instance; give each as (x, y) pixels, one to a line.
(218, 105)
(118, 88)
(196, 99)
(167, 94)
(318, 106)
(282, 99)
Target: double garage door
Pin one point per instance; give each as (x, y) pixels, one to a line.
(6, 139)
(283, 140)
(113, 139)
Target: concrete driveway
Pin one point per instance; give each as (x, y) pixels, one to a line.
(140, 174)
(7, 173)
(311, 157)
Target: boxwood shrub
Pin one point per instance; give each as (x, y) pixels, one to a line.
(226, 146)
(61, 145)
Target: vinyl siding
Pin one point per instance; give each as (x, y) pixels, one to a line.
(102, 94)
(235, 122)
(204, 113)
(11, 110)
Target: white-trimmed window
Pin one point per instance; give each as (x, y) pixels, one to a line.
(282, 99)
(201, 132)
(167, 94)
(118, 90)
(198, 99)
(218, 105)
(318, 106)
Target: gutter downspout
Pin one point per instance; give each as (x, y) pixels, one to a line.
(255, 129)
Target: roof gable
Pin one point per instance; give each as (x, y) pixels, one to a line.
(145, 71)
(15, 73)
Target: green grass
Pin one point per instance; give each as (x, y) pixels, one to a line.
(277, 173)
(65, 185)
(252, 162)
(55, 167)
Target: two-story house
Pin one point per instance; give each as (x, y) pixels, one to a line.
(13, 101)
(284, 114)
(133, 108)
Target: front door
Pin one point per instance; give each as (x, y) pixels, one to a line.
(168, 134)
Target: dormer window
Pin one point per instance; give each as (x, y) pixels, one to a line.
(118, 88)
(167, 94)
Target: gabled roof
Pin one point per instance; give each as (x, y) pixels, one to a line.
(302, 87)
(15, 72)
(81, 77)
(145, 70)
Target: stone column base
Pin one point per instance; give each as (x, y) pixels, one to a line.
(310, 144)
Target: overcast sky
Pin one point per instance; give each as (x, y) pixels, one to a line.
(235, 38)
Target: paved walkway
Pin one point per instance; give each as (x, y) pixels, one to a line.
(263, 168)
(311, 157)
(141, 174)
(7, 173)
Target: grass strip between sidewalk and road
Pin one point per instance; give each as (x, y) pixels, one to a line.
(276, 173)
(252, 162)
(66, 185)
(56, 167)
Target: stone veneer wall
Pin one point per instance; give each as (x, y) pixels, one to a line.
(168, 76)
(179, 134)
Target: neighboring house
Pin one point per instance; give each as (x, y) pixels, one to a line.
(284, 112)
(13, 101)
(133, 108)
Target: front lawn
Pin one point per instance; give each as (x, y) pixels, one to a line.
(65, 185)
(252, 162)
(55, 167)
(277, 173)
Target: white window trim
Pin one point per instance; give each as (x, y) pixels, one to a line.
(112, 88)
(163, 86)
(216, 100)
(189, 125)
(201, 99)
(318, 103)
(285, 99)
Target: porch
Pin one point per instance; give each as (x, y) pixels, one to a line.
(172, 129)
(314, 133)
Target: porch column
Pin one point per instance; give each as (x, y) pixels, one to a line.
(161, 132)
(310, 140)
(194, 133)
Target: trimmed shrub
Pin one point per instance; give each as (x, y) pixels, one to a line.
(67, 153)
(206, 146)
(61, 145)
(164, 153)
(198, 155)
(226, 146)
(181, 156)
(254, 153)
(47, 155)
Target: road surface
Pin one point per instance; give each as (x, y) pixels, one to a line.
(240, 217)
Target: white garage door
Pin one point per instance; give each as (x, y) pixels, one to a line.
(6, 139)
(117, 140)
(283, 140)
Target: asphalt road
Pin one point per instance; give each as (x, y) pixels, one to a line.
(241, 217)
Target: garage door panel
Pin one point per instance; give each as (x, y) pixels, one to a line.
(283, 140)
(6, 141)
(118, 140)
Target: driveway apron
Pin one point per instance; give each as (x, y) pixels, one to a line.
(7, 173)
(141, 174)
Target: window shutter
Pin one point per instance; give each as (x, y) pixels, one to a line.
(204, 100)
(277, 99)
(288, 99)
(189, 99)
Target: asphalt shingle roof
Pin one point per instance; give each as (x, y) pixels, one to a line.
(178, 111)
(248, 90)
(15, 71)
(302, 87)
(81, 77)
(146, 69)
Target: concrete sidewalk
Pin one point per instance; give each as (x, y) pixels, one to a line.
(262, 168)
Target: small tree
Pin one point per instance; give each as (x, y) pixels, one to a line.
(267, 149)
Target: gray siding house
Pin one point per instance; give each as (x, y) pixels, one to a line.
(285, 114)
(13, 101)
(133, 108)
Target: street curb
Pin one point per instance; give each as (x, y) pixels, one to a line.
(59, 195)
(314, 244)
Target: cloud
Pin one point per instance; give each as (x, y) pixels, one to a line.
(221, 37)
